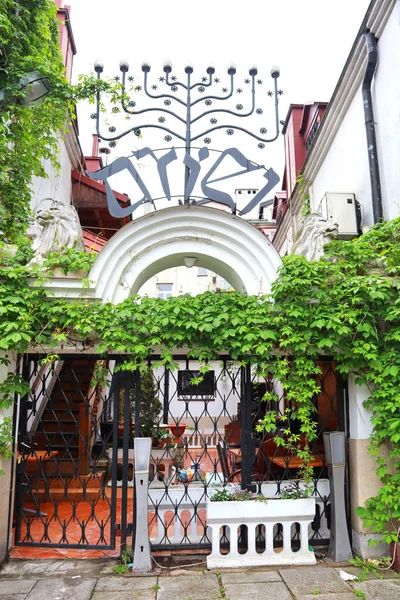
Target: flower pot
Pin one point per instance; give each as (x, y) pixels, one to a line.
(234, 515)
(177, 431)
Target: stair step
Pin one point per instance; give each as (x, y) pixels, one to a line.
(64, 427)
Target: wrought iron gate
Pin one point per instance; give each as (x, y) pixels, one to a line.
(75, 462)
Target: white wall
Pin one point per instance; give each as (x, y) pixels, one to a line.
(215, 408)
(184, 281)
(345, 168)
(5, 480)
(58, 185)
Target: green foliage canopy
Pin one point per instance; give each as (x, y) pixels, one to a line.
(346, 305)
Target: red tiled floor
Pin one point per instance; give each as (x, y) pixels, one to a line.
(64, 513)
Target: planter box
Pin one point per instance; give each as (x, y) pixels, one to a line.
(252, 514)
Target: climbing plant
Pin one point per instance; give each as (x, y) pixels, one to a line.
(31, 135)
(346, 305)
(28, 134)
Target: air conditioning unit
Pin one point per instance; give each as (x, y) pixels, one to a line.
(242, 198)
(342, 209)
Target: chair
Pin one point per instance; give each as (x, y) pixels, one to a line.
(230, 468)
(228, 474)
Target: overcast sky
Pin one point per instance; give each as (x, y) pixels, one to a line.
(309, 40)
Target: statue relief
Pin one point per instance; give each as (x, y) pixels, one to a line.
(315, 231)
(60, 228)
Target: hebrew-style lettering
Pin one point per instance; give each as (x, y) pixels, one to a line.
(210, 193)
(217, 195)
(115, 167)
(273, 179)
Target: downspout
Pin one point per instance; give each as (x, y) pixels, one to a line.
(376, 193)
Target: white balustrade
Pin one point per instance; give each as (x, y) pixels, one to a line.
(252, 514)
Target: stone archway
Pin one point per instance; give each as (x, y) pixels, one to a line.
(221, 242)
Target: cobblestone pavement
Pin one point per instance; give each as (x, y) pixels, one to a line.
(96, 580)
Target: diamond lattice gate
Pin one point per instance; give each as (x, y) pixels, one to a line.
(75, 437)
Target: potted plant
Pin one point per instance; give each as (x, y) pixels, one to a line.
(159, 436)
(233, 508)
(177, 430)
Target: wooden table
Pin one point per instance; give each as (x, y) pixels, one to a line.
(294, 462)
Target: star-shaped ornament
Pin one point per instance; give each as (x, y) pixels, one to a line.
(130, 78)
(138, 88)
(259, 81)
(239, 91)
(269, 93)
(153, 87)
(216, 80)
(247, 80)
(204, 79)
(173, 78)
(224, 90)
(161, 79)
(280, 92)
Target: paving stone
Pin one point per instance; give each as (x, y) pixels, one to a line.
(250, 577)
(62, 589)
(357, 571)
(139, 595)
(257, 591)
(23, 568)
(109, 567)
(347, 596)
(197, 587)
(303, 581)
(16, 586)
(124, 584)
(387, 589)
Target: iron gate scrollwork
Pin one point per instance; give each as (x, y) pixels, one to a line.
(76, 459)
(64, 498)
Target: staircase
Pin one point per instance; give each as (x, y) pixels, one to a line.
(64, 431)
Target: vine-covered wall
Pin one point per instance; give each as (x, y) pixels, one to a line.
(346, 305)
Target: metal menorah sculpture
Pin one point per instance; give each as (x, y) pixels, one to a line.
(192, 166)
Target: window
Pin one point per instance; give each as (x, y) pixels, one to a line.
(201, 271)
(205, 388)
(164, 290)
(225, 285)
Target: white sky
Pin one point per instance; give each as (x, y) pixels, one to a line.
(309, 40)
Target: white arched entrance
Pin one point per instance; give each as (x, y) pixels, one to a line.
(221, 242)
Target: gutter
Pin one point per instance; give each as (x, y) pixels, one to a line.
(376, 192)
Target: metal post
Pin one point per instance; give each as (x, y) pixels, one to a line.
(125, 457)
(339, 543)
(141, 556)
(166, 396)
(247, 442)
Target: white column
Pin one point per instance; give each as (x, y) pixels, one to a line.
(269, 538)
(233, 530)
(177, 527)
(303, 535)
(287, 547)
(215, 549)
(251, 539)
(193, 535)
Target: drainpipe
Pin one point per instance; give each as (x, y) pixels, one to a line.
(376, 193)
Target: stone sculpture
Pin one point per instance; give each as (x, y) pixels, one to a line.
(315, 231)
(60, 228)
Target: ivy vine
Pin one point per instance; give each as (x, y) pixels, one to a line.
(346, 305)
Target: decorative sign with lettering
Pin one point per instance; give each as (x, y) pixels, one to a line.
(193, 157)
